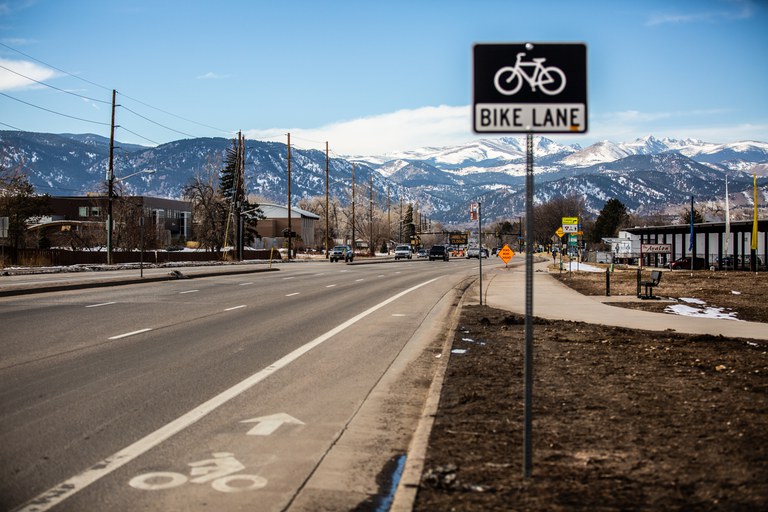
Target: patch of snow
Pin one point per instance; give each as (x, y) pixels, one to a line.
(584, 267)
(689, 300)
(708, 312)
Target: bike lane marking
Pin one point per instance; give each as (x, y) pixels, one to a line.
(77, 483)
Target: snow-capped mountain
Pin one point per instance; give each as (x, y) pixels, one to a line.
(647, 174)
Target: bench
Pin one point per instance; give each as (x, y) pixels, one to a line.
(650, 285)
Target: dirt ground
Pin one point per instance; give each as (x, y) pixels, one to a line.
(622, 420)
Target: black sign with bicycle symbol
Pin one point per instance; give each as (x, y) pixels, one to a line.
(530, 87)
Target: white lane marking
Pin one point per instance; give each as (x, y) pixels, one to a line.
(266, 425)
(330, 286)
(380, 275)
(128, 334)
(99, 305)
(77, 483)
(358, 280)
(235, 307)
(398, 314)
(189, 291)
(289, 277)
(245, 284)
(292, 294)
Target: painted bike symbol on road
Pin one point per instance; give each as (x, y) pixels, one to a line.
(549, 79)
(218, 471)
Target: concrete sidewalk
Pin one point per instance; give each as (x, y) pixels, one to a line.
(504, 288)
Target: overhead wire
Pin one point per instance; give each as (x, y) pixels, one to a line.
(102, 101)
(54, 111)
(54, 87)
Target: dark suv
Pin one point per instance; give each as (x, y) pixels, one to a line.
(341, 252)
(438, 252)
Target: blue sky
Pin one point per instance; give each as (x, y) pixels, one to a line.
(371, 77)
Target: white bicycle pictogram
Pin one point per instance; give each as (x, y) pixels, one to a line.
(549, 79)
(218, 471)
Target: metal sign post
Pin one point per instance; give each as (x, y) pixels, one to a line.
(529, 88)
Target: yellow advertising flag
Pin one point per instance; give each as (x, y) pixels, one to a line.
(754, 218)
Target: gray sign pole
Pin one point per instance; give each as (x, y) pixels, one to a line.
(529, 88)
(528, 357)
(480, 243)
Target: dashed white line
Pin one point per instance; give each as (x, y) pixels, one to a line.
(66, 489)
(330, 286)
(99, 305)
(129, 334)
(292, 294)
(289, 277)
(189, 291)
(245, 284)
(358, 280)
(235, 307)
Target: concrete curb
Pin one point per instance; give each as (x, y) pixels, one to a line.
(408, 486)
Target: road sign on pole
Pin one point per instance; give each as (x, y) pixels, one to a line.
(506, 254)
(529, 88)
(526, 87)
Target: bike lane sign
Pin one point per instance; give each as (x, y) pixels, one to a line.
(530, 87)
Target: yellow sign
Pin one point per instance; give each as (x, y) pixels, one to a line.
(506, 254)
(560, 232)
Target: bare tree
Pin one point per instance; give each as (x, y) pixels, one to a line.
(209, 210)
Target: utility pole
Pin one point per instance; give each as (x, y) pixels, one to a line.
(239, 194)
(371, 249)
(400, 239)
(389, 219)
(111, 181)
(353, 207)
(327, 232)
(289, 197)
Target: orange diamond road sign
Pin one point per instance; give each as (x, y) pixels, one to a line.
(506, 254)
(560, 232)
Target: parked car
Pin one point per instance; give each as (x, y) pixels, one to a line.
(476, 252)
(403, 252)
(341, 252)
(685, 264)
(438, 252)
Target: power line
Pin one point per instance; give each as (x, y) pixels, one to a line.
(110, 89)
(155, 122)
(136, 134)
(13, 127)
(53, 87)
(54, 67)
(53, 111)
(177, 116)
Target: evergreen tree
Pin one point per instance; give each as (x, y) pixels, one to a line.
(612, 217)
(409, 228)
(685, 215)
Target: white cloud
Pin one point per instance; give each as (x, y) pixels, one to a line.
(405, 129)
(451, 125)
(733, 10)
(10, 80)
(213, 76)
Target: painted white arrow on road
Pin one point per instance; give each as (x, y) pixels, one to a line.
(268, 424)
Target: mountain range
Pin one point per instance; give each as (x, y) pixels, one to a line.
(648, 175)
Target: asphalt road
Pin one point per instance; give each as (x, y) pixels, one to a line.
(216, 393)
